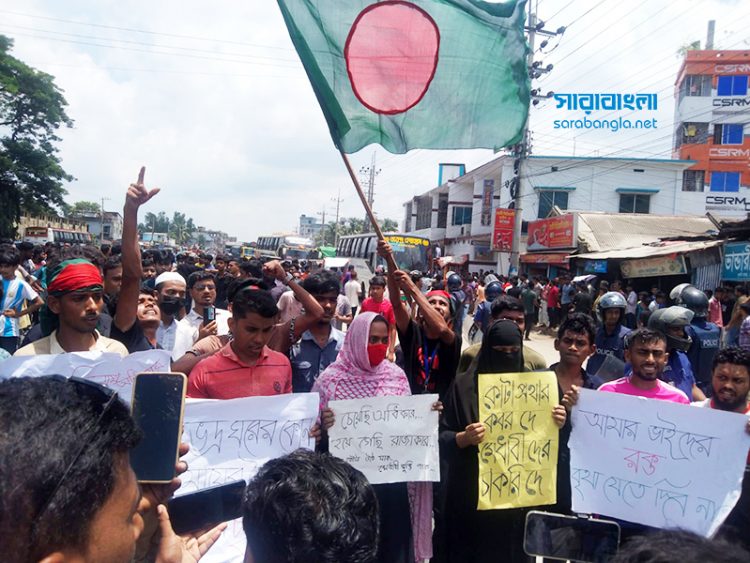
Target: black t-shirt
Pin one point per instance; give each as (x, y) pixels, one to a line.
(727, 307)
(134, 339)
(582, 302)
(442, 367)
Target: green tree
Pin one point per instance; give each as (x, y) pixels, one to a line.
(81, 207)
(32, 109)
(389, 226)
(682, 51)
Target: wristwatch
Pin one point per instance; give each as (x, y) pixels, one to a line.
(289, 277)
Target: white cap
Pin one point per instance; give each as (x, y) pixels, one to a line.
(169, 277)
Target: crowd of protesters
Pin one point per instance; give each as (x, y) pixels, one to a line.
(247, 328)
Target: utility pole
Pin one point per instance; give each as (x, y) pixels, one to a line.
(338, 199)
(522, 150)
(369, 172)
(323, 221)
(101, 220)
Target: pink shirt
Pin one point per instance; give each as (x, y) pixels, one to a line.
(662, 391)
(714, 312)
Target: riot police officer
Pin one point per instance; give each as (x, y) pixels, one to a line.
(609, 340)
(705, 336)
(672, 322)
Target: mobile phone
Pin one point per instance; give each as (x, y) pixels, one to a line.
(157, 407)
(211, 506)
(209, 314)
(557, 536)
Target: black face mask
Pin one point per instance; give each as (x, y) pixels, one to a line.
(170, 304)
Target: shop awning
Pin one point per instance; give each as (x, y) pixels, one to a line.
(646, 251)
(545, 258)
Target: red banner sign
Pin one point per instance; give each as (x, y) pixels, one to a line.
(552, 233)
(502, 233)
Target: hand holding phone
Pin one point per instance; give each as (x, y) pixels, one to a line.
(157, 408)
(209, 314)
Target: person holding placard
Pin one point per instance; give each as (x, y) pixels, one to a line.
(574, 343)
(361, 371)
(730, 381)
(471, 534)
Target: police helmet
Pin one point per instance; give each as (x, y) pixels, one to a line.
(694, 299)
(676, 291)
(674, 316)
(454, 282)
(492, 291)
(611, 300)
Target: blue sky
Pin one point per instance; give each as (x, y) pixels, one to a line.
(213, 100)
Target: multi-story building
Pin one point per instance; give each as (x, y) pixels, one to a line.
(309, 227)
(712, 112)
(459, 214)
(105, 226)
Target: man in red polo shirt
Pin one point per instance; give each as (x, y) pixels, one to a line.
(246, 367)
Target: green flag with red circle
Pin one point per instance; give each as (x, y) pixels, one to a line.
(406, 74)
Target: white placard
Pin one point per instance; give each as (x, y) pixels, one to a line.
(232, 439)
(109, 369)
(655, 462)
(389, 439)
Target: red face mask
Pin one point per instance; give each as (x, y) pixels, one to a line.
(376, 353)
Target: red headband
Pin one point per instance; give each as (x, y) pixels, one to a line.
(75, 276)
(439, 293)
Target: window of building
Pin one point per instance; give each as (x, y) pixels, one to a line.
(693, 180)
(461, 216)
(635, 203)
(442, 218)
(696, 85)
(725, 181)
(107, 231)
(731, 85)
(728, 133)
(550, 198)
(692, 133)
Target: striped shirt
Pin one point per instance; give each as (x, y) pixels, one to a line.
(225, 376)
(15, 292)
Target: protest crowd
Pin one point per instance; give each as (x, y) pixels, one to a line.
(68, 492)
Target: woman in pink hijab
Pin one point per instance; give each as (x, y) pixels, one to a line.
(361, 371)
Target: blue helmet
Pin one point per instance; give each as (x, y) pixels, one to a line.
(492, 291)
(454, 282)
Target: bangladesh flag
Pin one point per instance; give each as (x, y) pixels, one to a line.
(434, 74)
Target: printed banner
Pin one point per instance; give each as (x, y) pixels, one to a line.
(552, 233)
(109, 369)
(389, 439)
(518, 457)
(736, 265)
(648, 461)
(502, 232)
(671, 265)
(231, 440)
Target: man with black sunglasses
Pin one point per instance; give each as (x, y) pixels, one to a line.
(67, 491)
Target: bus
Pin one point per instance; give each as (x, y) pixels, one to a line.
(286, 247)
(410, 252)
(43, 235)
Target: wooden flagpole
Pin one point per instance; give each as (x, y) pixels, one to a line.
(389, 259)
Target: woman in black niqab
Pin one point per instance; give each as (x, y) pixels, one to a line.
(473, 536)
